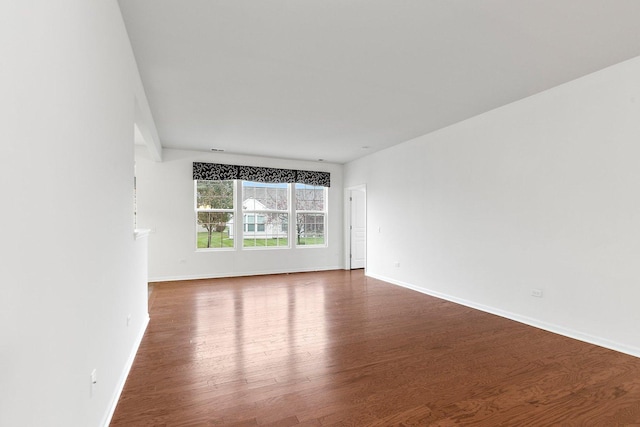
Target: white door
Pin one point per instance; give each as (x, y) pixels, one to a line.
(358, 228)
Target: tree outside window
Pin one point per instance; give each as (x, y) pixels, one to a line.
(310, 214)
(214, 209)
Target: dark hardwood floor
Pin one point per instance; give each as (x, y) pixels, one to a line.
(338, 348)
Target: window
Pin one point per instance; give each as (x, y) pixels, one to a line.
(246, 207)
(311, 214)
(254, 223)
(214, 210)
(265, 214)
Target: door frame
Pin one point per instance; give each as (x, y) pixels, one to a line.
(347, 224)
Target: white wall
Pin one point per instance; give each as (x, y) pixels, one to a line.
(71, 269)
(543, 193)
(166, 206)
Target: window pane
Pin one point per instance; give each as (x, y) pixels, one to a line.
(310, 229)
(258, 196)
(309, 197)
(215, 230)
(214, 195)
(268, 232)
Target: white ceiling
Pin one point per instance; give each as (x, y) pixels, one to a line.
(321, 79)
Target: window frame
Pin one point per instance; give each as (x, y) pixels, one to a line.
(324, 212)
(232, 211)
(264, 213)
(237, 228)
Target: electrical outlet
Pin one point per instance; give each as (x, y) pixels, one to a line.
(536, 293)
(396, 264)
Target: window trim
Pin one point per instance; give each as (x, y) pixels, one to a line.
(238, 215)
(324, 212)
(264, 213)
(197, 210)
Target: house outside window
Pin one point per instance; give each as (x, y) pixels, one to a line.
(265, 211)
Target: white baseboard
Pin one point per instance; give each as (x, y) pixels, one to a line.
(556, 329)
(125, 374)
(241, 274)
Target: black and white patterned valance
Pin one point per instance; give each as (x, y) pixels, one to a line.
(250, 173)
(219, 172)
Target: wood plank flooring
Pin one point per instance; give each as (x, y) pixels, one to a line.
(338, 348)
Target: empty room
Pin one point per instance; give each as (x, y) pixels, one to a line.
(316, 213)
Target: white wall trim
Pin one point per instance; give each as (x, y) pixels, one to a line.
(241, 274)
(125, 374)
(570, 333)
